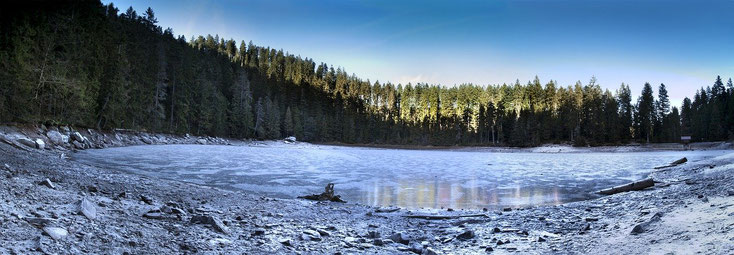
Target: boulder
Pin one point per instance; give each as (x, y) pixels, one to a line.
(40, 144)
(26, 142)
(56, 233)
(76, 136)
(290, 139)
(56, 138)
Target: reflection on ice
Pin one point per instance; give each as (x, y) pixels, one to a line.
(405, 178)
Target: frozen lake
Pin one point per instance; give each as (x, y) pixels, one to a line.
(384, 177)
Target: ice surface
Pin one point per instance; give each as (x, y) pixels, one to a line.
(405, 178)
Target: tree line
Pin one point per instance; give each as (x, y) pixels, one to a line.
(88, 64)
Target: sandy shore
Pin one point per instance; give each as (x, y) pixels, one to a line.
(690, 210)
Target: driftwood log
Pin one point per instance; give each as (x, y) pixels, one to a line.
(443, 217)
(328, 195)
(638, 185)
(674, 163)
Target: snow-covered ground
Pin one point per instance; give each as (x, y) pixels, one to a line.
(404, 178)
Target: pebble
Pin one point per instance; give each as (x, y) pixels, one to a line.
(56, 233)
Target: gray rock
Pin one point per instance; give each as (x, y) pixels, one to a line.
(87, 209)
(56, 233)
(214, 222)
(146, 199)
(155, 215)
(258, 232)
(730, 192)
(39, 222)
(76, 136)
(47, 183)
(541, 239)
(285, 242)
(40, 144)
(373, 234)
(506, 209)
(466, 235)
(55, 137)
(77, 145)
(290, 139)
(26, 142)
(310, 235)
(416, 248)
(378, 242)
(429, 251)
(400, 237)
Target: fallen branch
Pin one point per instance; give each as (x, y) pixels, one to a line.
(639, 185)
(443, 217)
(387, 210)
(328, 195)
(674, 163)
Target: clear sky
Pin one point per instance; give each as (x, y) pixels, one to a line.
(683, 44)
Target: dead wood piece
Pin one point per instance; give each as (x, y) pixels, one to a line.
(387, 210)
(638, 185)
(674, 163)
(443, 217)
(328, 195)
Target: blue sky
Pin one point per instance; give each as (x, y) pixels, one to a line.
(683, 44)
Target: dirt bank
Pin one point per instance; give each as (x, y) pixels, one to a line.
(691, 210)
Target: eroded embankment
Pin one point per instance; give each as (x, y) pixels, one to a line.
(690, 210)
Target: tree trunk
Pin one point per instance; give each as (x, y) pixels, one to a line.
(638, 185)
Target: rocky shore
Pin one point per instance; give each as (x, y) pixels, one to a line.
(52, 205)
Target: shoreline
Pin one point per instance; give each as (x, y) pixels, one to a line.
(142, 214)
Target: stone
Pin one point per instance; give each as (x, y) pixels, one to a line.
(26, 142)
(285, 242)
(400, 238)
(378, 242)
(77, 145)
(219, 242)
(310, 235)
(506, 209)
(55, 137)
(429, 251)
(541, 239)
(489, 249)
(40, 144)
(258, 232)
(416, 248)
(214, 222)
(373, 234)
(466, 235)
(56, 233)
(496, 230)
(730, 192)
(146, 199)
(155, 215)
(87, 209)
(290, 139)
(47, 183)
(76, 136)
(39, 222)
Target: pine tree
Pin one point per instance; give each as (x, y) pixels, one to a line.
(260, 120)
